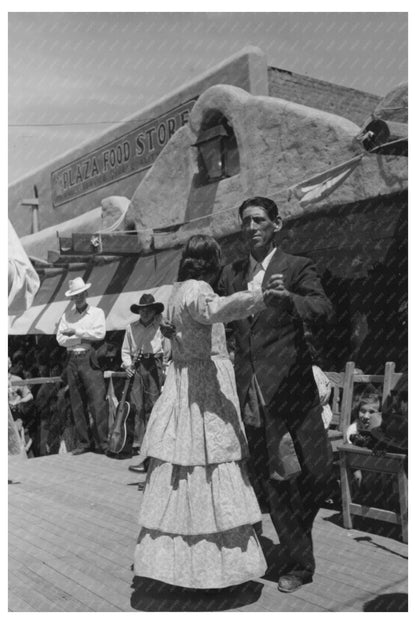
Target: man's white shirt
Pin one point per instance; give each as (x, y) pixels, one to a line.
(256, 271)
(89, 326)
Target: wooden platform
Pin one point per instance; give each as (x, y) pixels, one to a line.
(72, 532)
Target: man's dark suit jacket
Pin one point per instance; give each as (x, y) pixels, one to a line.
(272, 345)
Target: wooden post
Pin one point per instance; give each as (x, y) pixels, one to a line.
(345, 490)
(388, 380)
(402, 483)
(346, 404)
(34, 203)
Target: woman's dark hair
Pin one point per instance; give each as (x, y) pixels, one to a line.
(201, 257)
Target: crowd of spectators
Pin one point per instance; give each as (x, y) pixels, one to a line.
(44, 420)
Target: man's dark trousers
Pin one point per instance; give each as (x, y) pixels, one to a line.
(144, 393)
(293, 503)
(87, 392)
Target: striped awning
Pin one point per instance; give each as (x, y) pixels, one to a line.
(115, 285)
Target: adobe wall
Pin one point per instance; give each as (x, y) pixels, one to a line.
(280, 144)
(114, 163)
(352, 104)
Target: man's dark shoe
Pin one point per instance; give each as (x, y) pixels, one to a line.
(80, 451)
(289, 583)
(140, 468)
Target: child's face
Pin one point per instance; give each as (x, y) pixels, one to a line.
(369, 415)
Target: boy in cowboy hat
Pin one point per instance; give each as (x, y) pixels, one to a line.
(79, 327)
(145, 353)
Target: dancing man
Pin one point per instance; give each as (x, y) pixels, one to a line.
(279, 401)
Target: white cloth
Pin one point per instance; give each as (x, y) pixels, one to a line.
(23, 280)
(89, 326)
(324, 390)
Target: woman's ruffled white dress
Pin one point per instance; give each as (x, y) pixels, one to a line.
(198, 506)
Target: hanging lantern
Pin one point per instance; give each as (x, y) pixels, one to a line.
(212, 153)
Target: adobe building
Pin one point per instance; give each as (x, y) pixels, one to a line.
(125, 203)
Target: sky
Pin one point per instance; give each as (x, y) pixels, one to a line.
(73, 75)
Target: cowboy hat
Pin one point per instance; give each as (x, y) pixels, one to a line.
(147, 301)
(76, 286)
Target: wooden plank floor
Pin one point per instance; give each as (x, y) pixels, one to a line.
(72, 532)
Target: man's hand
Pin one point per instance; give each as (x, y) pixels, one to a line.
(68, 332)
(276, 283)
(15, 407)
(168, 329)
(131, 371)
(19, 424)
(275, 292)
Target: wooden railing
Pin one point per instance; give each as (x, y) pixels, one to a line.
(33, 381)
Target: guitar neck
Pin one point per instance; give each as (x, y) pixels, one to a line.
(126, 389)
(127, 383)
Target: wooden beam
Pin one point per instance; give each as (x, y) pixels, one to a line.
(33, 381)
(34, 201)
(375, 513)
(114, 243)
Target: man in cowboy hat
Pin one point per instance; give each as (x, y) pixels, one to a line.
(145, 353)
(78, 328)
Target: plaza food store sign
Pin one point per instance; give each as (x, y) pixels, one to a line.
(133, 152)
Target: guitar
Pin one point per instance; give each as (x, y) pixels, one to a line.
(118, 435)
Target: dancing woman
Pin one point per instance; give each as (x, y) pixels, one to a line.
(198, 509)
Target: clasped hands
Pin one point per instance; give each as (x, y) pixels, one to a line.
(68, 332)
(274, 292)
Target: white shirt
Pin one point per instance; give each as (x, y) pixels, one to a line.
(145, 339)
(89, 326)
(256, 271)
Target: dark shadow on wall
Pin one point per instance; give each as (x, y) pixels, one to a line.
(361, 254)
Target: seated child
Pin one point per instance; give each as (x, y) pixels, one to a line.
(374, 489)
(368, 416)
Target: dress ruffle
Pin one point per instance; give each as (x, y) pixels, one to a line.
(198, 499)
(200, 561)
